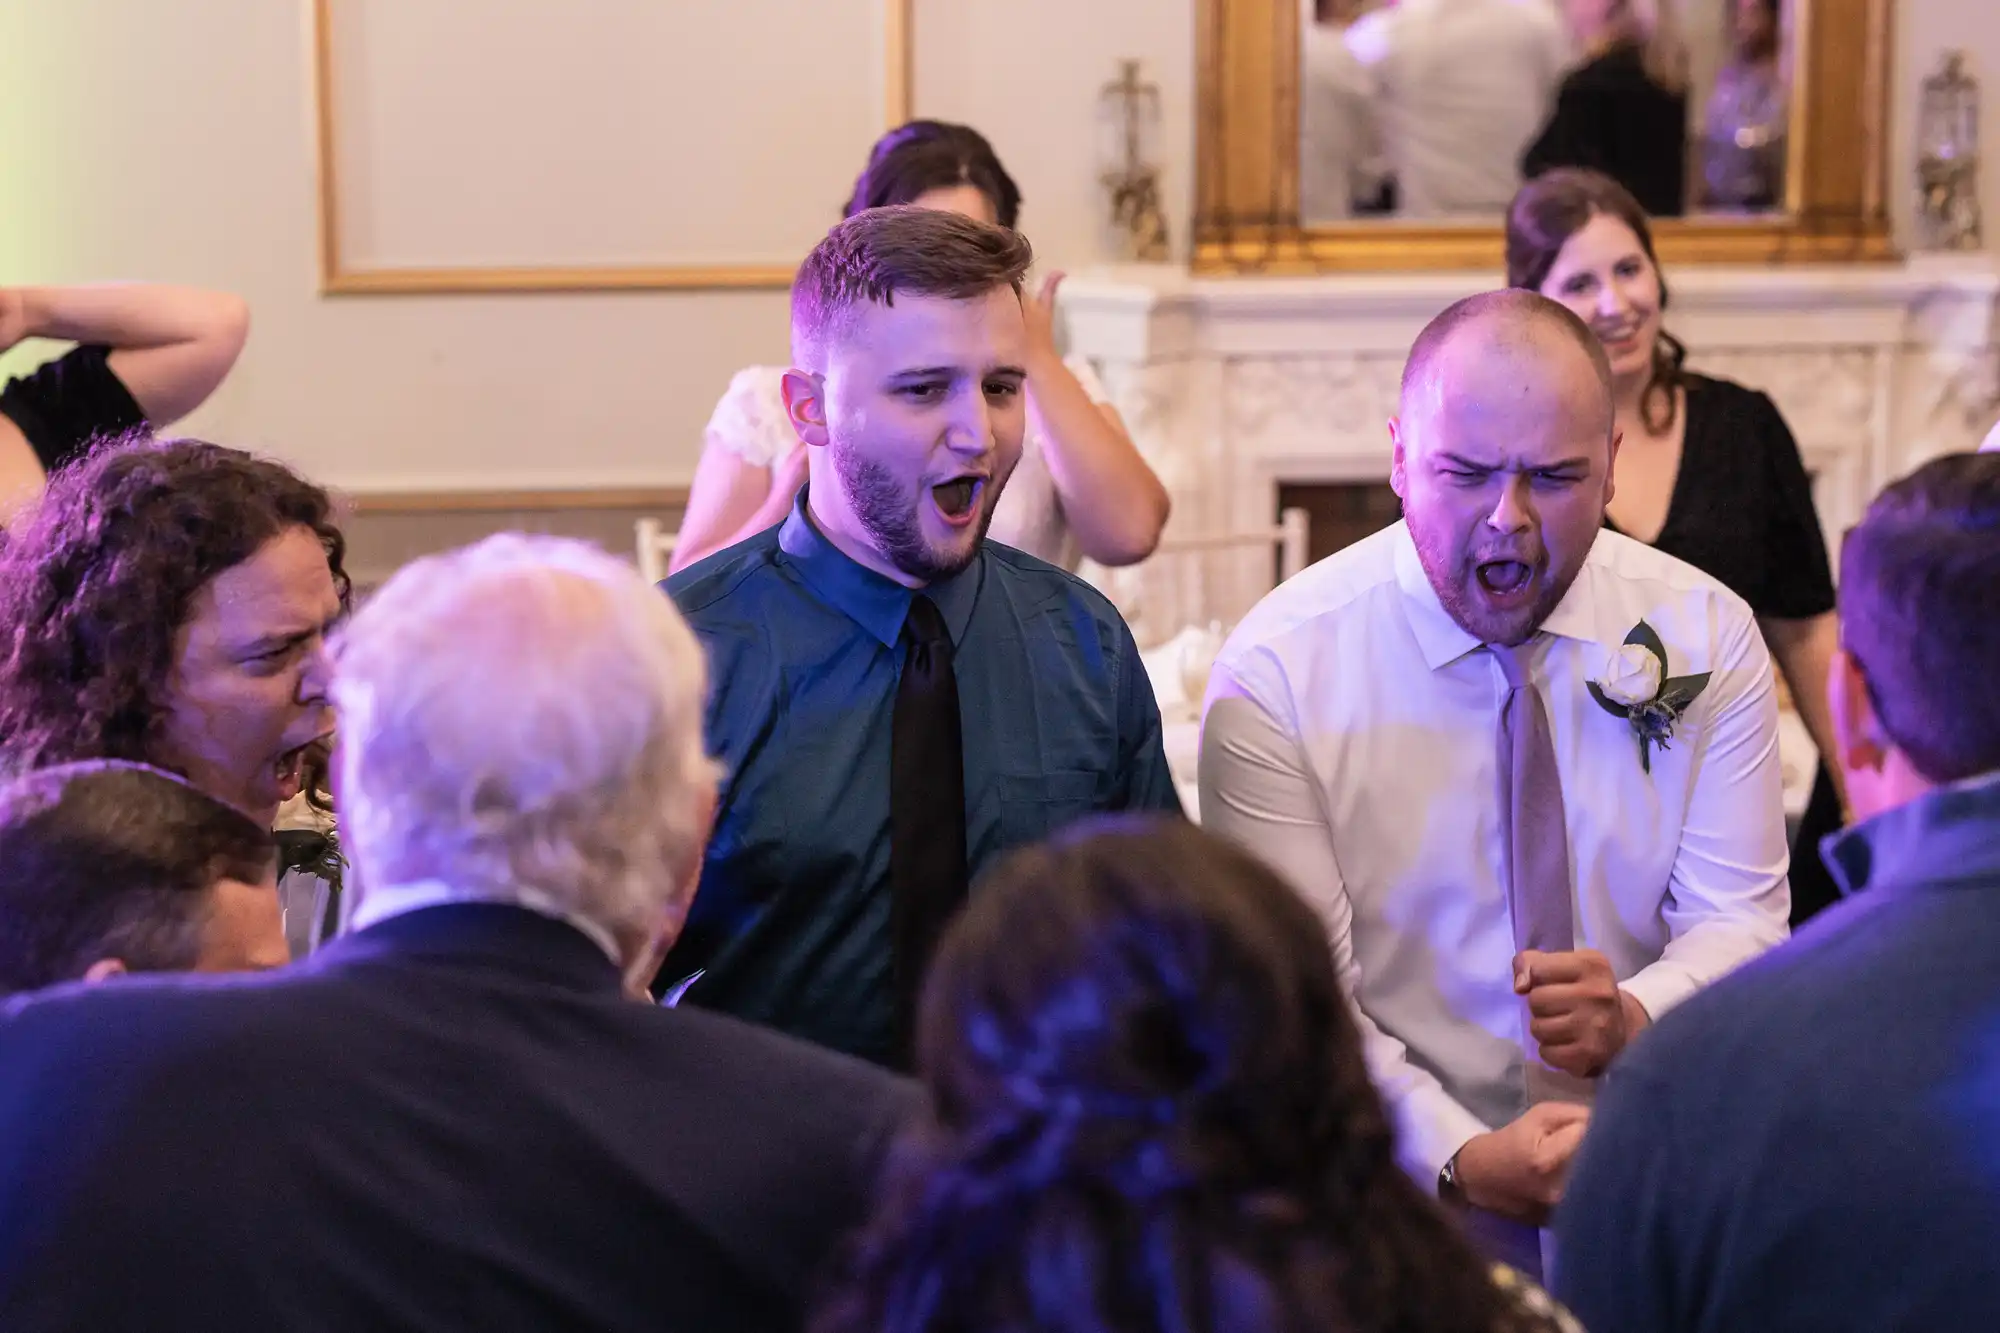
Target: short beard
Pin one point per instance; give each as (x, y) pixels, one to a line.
(1506, 628)
(889, 514)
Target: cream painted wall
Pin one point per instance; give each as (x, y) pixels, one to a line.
(1924, 30)
(172, 141)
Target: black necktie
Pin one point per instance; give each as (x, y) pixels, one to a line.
(927, 876)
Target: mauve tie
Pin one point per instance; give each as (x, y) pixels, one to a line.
(1535, 849)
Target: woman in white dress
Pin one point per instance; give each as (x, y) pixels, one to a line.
(1081, 489)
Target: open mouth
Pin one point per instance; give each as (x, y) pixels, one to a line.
(289, 768)
(1622, 336)
(1504, 580)
(958, 499)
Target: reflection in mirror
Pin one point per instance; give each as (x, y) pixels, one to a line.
(1437, 110)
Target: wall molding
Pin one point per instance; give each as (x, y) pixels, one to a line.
(338, 278)
(368, 504)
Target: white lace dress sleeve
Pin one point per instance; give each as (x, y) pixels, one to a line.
(749, 420)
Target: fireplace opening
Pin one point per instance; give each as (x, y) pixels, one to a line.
(1342, 513)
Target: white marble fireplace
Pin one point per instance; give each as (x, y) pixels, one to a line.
(1234, 386)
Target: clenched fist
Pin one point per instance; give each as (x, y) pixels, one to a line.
(1577, 1015)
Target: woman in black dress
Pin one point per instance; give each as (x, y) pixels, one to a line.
(1708, 470)
(1624, 110)
(145, 355)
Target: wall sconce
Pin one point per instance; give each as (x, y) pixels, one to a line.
(1948, 158)
(1128, 124)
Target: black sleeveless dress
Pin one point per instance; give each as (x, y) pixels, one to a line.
(1742, 512)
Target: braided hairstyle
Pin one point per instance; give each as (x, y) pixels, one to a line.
(1149, 1110)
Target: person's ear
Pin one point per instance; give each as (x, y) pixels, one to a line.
(1859, 742)
(1399, 480)
(1611, 466)
(805, 405)
(103, 970)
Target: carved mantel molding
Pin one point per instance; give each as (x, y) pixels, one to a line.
(1232, 386)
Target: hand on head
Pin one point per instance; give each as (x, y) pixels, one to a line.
(1040, 312)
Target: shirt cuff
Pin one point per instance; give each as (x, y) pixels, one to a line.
(1659, 988)
(1431, 1135)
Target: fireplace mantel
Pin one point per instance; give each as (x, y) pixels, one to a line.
(1232, 386)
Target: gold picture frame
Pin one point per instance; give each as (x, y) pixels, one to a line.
(338, 278)
(1246, 207)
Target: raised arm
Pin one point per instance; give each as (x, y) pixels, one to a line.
(1111, 500)
(170, 346)
(752, 465)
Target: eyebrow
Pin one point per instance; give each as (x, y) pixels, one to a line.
(947, 372)
(270, 643)
(1560, 465)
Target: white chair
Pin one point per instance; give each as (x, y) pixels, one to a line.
(656, 547)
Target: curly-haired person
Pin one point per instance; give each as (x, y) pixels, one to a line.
(1149, 1111)
(166, 602)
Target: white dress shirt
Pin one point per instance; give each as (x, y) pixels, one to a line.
(1461, 88)
(1349, 740)
(1340, 156)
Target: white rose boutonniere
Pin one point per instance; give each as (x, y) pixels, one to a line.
(1637, 688)
(1633, 676)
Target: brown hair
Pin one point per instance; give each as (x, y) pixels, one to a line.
(95, 588)
(1555, 206)
(113, 860)
(1149, 1109)
(879, 252)
(1919, 581)
(924, 155)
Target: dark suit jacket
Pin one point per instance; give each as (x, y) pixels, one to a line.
(451, 1120)
(1611, 117)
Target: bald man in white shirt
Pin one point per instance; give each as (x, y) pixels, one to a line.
(1992, 442)
(1353, 737)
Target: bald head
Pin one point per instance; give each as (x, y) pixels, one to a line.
(1503, 450)
(1504, 327)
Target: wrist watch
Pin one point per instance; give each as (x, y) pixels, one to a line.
(1449, 1190)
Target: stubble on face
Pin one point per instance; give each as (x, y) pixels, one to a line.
(1505, 474)
(926, 410)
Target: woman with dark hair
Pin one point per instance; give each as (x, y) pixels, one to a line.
(1624, 110)
(1707, 471)
(1149, 1111)
(166, 603)
(1081, 489)
(144, 353)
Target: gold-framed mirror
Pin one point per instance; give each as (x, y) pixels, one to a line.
(1783, 128)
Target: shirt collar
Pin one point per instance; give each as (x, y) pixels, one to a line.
(1443, 640)
(873, 601)
(1952, 833)
(377, 905)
